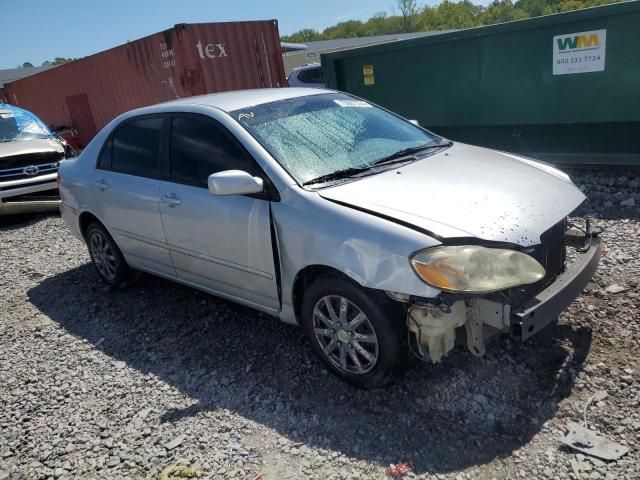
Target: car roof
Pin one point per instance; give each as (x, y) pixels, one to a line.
(306, 66)
(238, 99)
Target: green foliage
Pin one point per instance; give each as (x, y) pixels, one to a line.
(348, 29)
(409, 12)
(500, 11)
(448, 14)
(305, 35)
(57, 61)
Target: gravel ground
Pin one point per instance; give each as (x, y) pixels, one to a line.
(95, 384)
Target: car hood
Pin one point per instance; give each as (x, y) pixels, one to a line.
(27, 147)
(467, 191)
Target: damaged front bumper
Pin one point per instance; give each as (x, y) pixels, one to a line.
(545, 307)
(32, 195)
(434, 327)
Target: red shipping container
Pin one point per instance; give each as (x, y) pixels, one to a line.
(186, 60)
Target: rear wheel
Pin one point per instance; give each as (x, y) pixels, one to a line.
(106, 256)
(360, 334)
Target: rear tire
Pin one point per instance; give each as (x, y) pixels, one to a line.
(106, 256)
(359, 334)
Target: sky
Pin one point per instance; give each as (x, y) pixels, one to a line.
(38, 30)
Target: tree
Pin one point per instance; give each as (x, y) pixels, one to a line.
(501, 11)
(61, 60)
(377, 25)
(301, 36)
(348, 29)
(408, 10)
(27, 65)
(57, 61)
(448, 14)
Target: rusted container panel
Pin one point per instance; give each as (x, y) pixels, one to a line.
(189, 59)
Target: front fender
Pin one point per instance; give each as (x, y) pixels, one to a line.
(372, 251)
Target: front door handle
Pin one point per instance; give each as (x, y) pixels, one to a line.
(170, 199)
(102, 185)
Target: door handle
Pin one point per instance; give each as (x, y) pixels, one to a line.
(102, 185)
(170, 199)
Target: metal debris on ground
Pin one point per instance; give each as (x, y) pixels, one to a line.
(399, 470)
(597, 397)
(176, 442)
(615, 288)
(587, 441)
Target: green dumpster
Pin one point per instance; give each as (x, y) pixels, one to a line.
(563, 88)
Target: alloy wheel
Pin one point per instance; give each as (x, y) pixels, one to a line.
(345, 334)
(103, 255)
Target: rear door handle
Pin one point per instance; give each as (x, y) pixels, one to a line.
(170, 199)
(102, 185)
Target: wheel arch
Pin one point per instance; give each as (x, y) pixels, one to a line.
(305, 277)
(84, 220)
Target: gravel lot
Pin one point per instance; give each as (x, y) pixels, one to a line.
(95, 384)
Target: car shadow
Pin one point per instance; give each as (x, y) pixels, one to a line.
(462, 412)
(9, 223)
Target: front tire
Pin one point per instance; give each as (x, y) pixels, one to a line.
(359, 334)
(106, 256)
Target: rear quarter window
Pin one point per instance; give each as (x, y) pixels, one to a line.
(311, 75)
(104, 161)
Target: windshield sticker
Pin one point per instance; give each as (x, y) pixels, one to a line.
(352, 103)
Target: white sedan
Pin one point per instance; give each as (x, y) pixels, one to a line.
(380, 238)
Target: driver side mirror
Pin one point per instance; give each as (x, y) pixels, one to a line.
(234, 182)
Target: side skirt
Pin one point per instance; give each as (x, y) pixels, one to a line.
(270, 311)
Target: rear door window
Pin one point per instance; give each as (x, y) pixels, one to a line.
(136, 147)
(200, 147)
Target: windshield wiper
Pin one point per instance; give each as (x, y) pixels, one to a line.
(402, 155)
(338, 174)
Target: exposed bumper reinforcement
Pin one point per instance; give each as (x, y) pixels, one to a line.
(545, 307)
(12, 200)
(35, 206)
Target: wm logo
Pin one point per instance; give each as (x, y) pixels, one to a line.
(579, 41)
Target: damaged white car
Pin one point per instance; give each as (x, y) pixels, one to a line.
(380, 238)
(29, 157)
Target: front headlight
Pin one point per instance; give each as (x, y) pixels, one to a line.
(475, 269)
